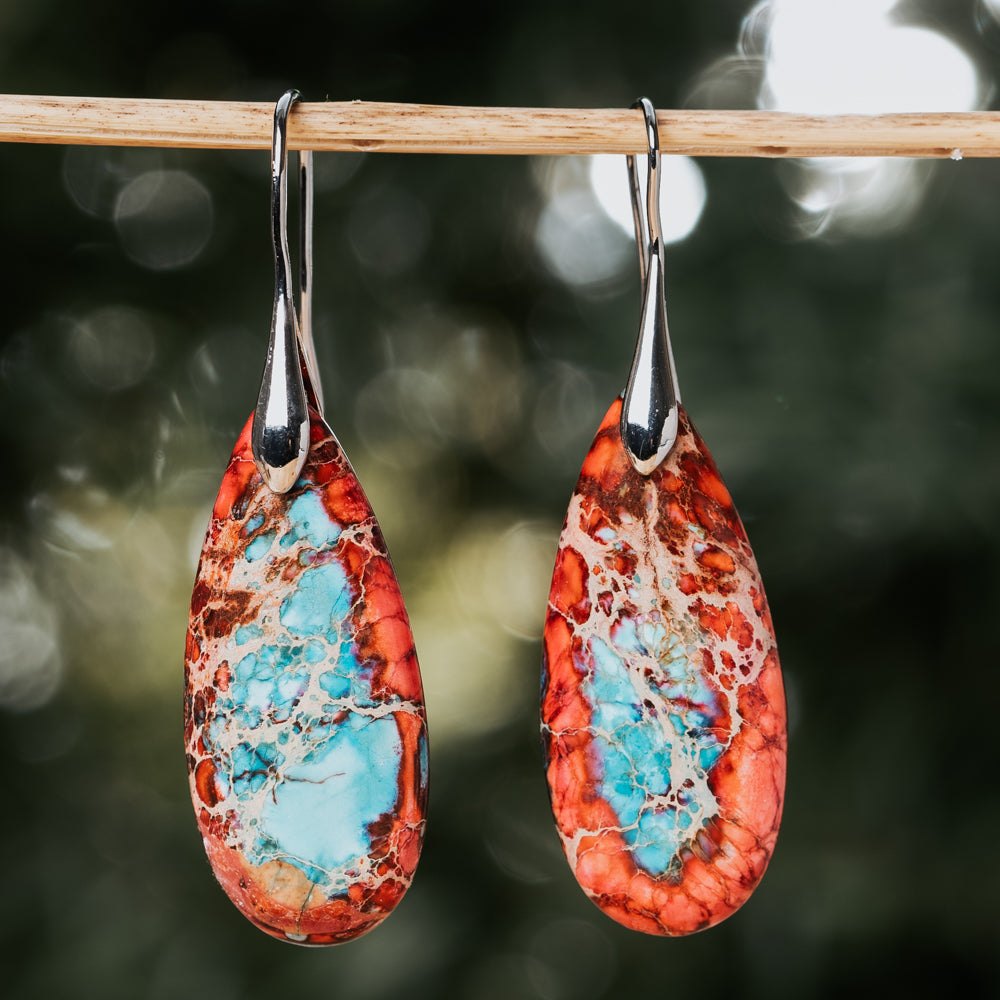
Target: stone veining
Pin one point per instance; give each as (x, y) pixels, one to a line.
(663, 713)
(304, 715)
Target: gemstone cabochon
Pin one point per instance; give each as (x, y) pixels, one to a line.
(663, 710)
(304, 715)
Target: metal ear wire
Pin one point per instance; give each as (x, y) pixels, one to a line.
(306, 274)
(280, 436)
(649, 417)
(638, 219)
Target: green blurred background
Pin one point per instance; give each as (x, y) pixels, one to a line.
(836, 337)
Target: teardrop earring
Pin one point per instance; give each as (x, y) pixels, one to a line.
(304, 715)
(663, 712)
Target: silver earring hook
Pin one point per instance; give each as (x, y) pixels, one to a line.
(639, 221)
(649, 417)
(280, 436)
(306, 274)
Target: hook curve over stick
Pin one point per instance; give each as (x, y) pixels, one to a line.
(649, 417)
(280, 435)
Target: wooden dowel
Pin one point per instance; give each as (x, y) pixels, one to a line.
(424, 128)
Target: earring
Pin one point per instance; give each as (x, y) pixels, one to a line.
(304, 714)
(663, 712)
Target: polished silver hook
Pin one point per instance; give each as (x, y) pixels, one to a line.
(650, 409)
(306, 275)
(280, 436)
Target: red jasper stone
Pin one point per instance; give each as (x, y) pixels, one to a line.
(663, 711)
(304, 713)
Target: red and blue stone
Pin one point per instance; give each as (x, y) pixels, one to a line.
(663, 711)
(304, 714)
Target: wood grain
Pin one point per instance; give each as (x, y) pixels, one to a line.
(424, 128)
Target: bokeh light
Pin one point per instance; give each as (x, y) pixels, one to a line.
(111, 568)
(682, 193)
(585, 194)
(460, 383)
(850, 57)
(31, 663)
(470, 623)
(164, 218)
(389, 231)
(574, 236)
(563, 414)
(95, 175)
(113, 347)
(853, 57)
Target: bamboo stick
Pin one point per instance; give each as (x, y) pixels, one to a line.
(423, 128)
